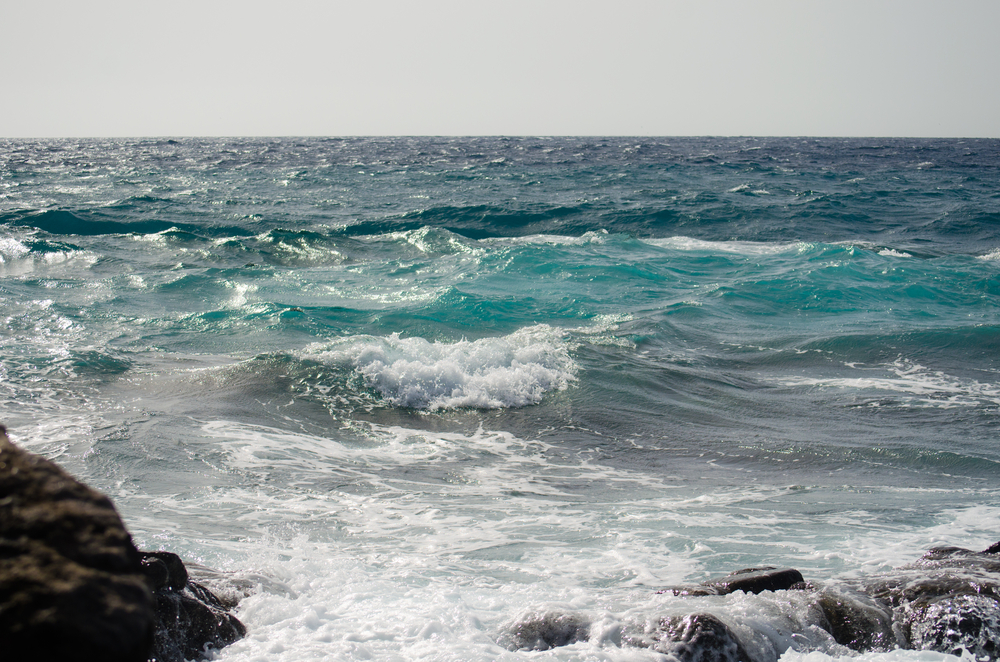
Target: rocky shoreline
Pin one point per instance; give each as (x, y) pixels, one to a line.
(73, 586)
(948, 601)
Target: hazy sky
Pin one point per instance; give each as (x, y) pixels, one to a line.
(442, 67)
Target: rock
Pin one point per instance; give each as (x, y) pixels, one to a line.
(71, 581)
(749, 580)
(190, 619)
(857, 621)
(697, 637)
(73, 587)
(542, 630)
(956, 622)
(946, 600)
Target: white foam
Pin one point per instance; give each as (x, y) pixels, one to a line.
(602, 331)
(11, 249)
(744, 247)
(929, 388)
(590, 237)
(413, 544)
(892, 252)
(898, 655)
(992, 256)
(491, 373)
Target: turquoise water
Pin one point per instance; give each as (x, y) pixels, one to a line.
(428, 384)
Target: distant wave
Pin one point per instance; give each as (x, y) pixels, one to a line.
(62, 222)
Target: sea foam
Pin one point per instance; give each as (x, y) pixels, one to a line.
(491, 373)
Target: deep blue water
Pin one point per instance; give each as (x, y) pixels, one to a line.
(479, 354)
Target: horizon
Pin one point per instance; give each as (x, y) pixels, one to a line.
(723, 68)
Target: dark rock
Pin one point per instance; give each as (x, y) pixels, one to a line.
(190, 619)
(543, 630)
(71, 583)
(856, 620)
(692, 638)
(749, 580)
(176, 572)
(946, 600)
(74, 587)
(992, 549)
(956, 622)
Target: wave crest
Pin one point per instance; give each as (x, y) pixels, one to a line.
(491, 373)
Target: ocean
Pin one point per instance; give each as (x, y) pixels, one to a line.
(415, 389)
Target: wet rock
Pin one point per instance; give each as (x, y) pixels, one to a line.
(697, 637)
(190, 619)
(542, 630)
(856, 620)
(946, 600)
(953, 623)
(748, 580)
(74, 587)
(71, 582)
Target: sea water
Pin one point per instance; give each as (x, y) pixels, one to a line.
(415, 389)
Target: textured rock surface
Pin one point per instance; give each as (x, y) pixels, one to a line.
(71, 583)
(74, 587)
(542, 630)
(189, 618)
(692, 638)
(948, 600)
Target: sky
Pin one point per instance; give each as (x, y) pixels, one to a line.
(116, 68)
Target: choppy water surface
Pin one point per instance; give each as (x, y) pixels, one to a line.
(421, 387)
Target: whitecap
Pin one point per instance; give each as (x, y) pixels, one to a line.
(491, 373)
(923, 386)
(745, 247)
(11, 249)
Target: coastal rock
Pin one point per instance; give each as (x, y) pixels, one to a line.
(190, 619)
(697, 637)
(74, 587)
(542, 630)
(856, 620)
(71, 582)
(748, 580)
(947, 600)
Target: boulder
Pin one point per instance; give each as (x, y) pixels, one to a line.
(699, 637)
(190, 619)
(71, 580)
(74, 587)
(748, 580)
(947, 600)
(542, 630)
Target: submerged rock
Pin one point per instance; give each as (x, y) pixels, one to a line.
(856, 620)
(71, 582)
(74, 587)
